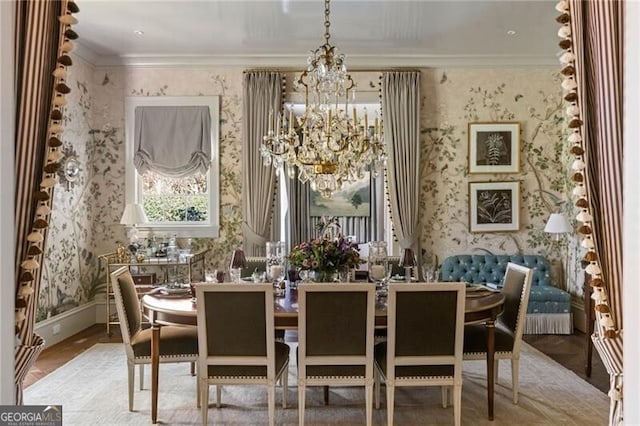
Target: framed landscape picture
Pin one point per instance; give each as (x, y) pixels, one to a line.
(354, 199)
(494, 147)
(494, 206)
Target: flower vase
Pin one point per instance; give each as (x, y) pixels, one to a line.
(325, 276)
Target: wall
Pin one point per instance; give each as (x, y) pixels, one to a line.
(452, 99)
(86, 218)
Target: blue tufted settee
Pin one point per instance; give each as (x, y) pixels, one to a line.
(549, 309)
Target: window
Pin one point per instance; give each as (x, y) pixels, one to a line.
(184, 203)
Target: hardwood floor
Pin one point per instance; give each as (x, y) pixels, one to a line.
(567, 350)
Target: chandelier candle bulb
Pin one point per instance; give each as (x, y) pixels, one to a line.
(291, 120)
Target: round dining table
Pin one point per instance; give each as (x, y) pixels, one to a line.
(482, 306)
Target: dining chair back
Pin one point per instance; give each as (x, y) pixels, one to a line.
(335, 338)
(509, 326)
(236, 341)
(177, 344)
(425, 323)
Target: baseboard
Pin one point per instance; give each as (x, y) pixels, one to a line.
(59, 327)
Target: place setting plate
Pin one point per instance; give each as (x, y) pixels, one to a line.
(180, 290)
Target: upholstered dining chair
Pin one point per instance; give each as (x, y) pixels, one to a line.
(335, 338)
(177, 344)
(509, 326)
(236, 342)
(425, 323)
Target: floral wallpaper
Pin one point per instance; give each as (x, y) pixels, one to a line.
(85, 219)
(453, 98)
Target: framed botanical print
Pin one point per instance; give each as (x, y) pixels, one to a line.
(494, 206)
(494, 147)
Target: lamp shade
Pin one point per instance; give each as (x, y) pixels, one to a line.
(238, 259)
(133, 215)
(557, 224)
(408, 258)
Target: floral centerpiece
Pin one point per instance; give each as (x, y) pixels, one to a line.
(325, 256)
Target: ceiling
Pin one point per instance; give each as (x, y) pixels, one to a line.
(282, 32)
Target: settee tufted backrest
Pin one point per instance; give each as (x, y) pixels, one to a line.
(491, 268)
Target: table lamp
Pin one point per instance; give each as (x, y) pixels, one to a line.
(238, 261)
(557, 224)
(409, 261)
(133, 215)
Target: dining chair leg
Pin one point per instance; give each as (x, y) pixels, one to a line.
(198, 401)
(284, 382)
(445, 396)
(218, 396)
(131, 377)
(390, 395)
(368, 389)
(457, 404)
(204, 403)
(193, 368)
(326, 395)
(301, 401)
(141, 374)
(515, 383)
(271, 402)
(376, 387)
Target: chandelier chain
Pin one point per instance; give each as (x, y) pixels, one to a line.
(327, 22)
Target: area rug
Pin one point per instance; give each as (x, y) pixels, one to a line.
(92, 389)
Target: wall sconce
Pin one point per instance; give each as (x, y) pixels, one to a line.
(133, 215)
(557, 224)
(69, 168)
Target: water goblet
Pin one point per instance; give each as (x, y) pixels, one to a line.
(234, 274)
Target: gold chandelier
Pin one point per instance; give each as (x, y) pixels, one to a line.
(337, 146)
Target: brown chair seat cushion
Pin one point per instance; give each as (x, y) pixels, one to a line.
(380, 356)
(282, 356)
(174, 341)
(475, 338)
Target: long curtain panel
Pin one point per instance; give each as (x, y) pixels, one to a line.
(43, 40)
(263, 94)
(595, 34)
(298, 212)
(401, 117)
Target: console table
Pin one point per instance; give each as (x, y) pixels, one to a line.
(113, 261)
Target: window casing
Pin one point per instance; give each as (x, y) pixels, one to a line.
(207, 225)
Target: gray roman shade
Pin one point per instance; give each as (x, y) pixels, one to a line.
(174, 141)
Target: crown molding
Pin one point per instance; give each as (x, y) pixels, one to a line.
(296, 61)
